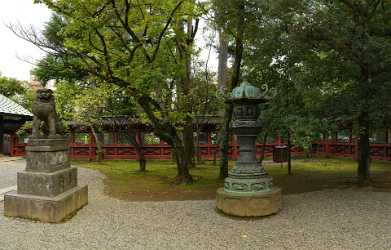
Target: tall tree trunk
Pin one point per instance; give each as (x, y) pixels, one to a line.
(184, 44)
(182, 160)
(223, 58)
(224, 141)
(141, 158)
(138, 146)
(99, 145)
(364, 147)
(188, 143)
(234, 82)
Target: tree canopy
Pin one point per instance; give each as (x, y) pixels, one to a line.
(10, 87)
(325, 63)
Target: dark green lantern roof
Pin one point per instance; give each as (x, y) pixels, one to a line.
(246, 91)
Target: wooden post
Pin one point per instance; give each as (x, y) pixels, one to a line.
(12, 145)
(90, 138)
(161, 144)
(350, 135)
(385, 143)
(71, 149)
(209, 144)
(115, 141)
(1, 134)
(327, 147)
(289, 154)
(350, 141)
(277, 139)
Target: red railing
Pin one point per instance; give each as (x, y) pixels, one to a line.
(379, 151)
(209, 151)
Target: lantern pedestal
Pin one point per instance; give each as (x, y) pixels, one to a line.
(256, 204)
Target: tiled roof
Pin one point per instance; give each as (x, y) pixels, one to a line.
(7, 106)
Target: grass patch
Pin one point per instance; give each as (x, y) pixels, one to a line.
(124, 181)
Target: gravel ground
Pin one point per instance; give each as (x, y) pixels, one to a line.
(331, 219)
(8, 169)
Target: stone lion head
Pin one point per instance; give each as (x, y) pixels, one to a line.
(44, 95)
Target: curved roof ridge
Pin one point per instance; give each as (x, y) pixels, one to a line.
(8, 106)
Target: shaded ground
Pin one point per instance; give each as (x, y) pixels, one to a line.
(124, 182)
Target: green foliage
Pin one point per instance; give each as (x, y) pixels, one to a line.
(91, 105)
(66, 93)
(141, 56)
(143, 48)
(326, 62)
(10, 87)
(26, 99)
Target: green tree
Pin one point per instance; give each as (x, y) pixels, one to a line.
(10, 87)
(328, 60)
(144, 47)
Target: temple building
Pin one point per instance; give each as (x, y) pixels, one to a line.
(12, 117)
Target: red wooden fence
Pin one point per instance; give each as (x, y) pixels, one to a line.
(207, 151)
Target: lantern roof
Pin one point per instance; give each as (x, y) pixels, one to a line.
(247, 91)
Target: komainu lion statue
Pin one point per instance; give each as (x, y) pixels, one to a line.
(45, 116)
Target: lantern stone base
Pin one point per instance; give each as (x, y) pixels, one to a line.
(45, 209)
(249, 205)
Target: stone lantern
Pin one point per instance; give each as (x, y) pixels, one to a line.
(248, 189)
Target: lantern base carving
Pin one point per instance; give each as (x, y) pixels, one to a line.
(249, 204)
(248, 185)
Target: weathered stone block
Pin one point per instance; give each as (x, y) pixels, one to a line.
(259, 204)
(47, 155)
(47, 161)
(45, 209)
(47, 184)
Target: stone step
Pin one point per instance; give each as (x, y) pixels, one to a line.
(5, 190)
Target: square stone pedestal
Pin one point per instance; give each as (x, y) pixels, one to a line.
(47, 190)
(249, 205)
(45, 209)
